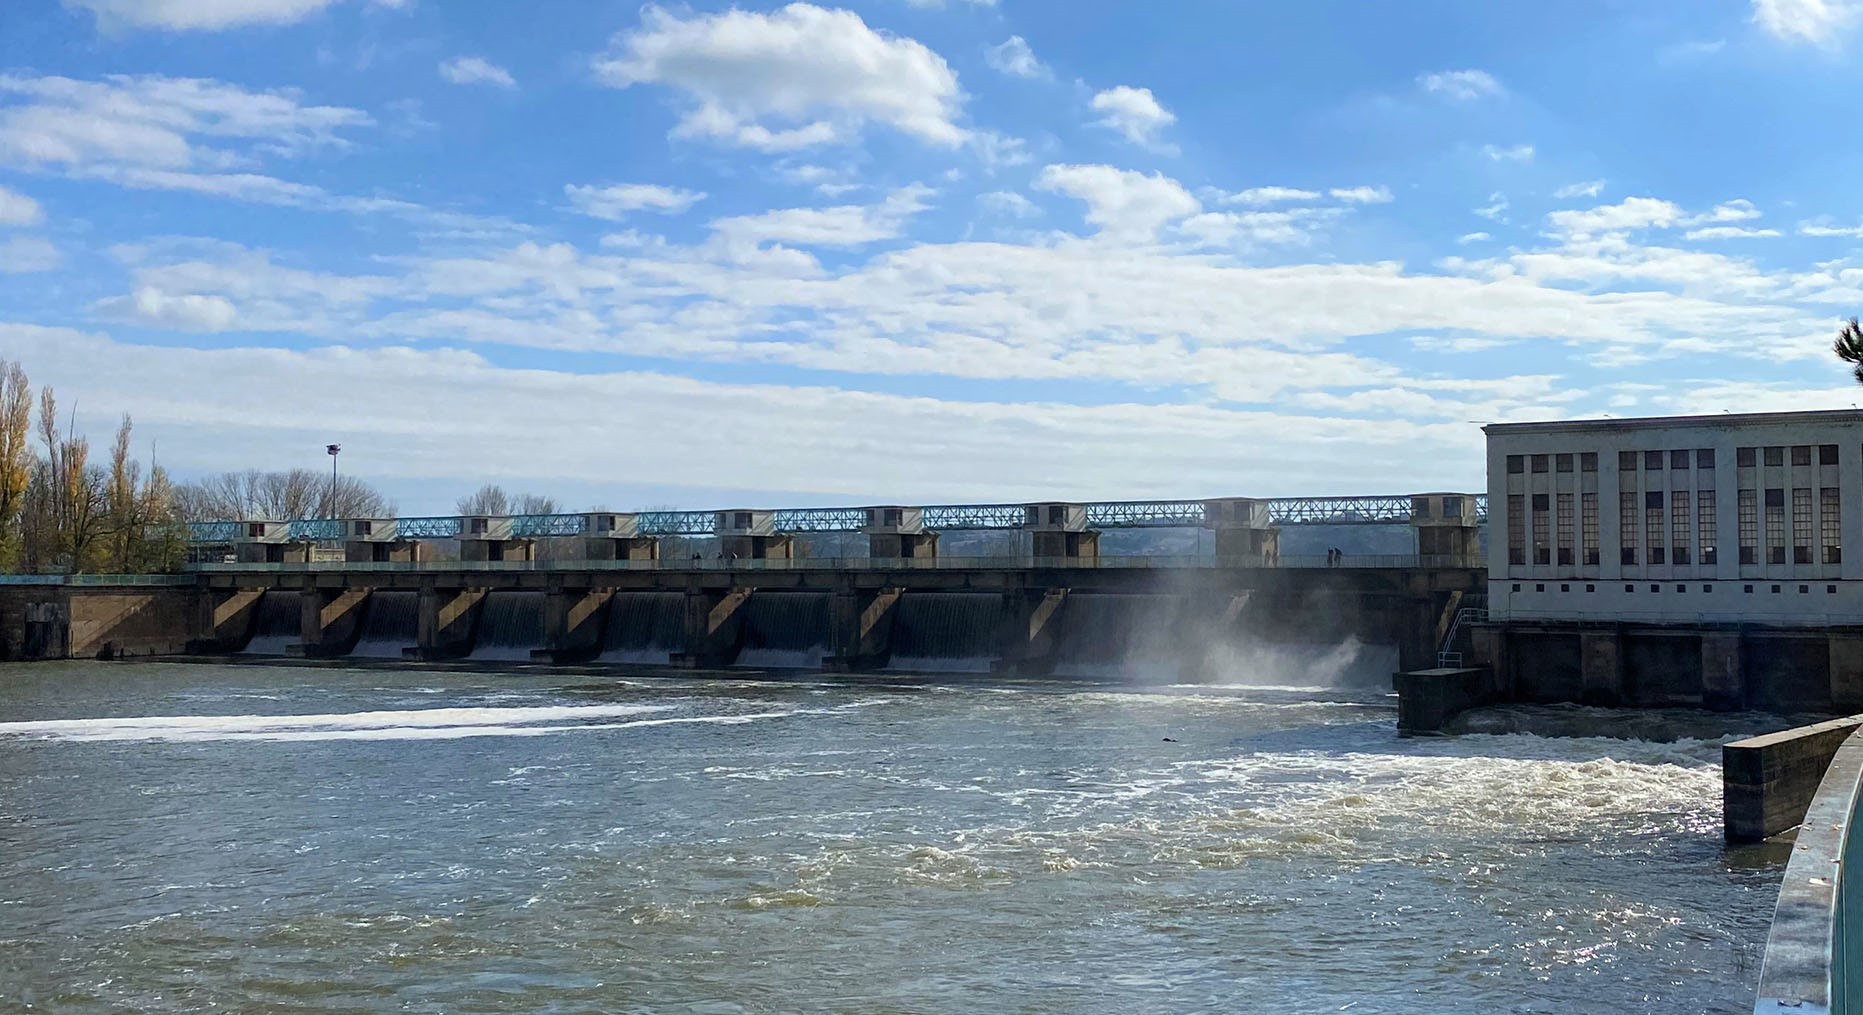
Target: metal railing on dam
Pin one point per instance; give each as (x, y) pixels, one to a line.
(1385, 509)
(1399, 561)
(1814, 956)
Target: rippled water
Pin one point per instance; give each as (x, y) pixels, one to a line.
(261, 838)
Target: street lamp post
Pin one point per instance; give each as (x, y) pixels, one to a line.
(332, 450)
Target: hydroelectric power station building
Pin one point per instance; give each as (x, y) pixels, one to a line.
(1686, 560)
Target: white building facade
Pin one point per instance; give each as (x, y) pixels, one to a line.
(1681, 519)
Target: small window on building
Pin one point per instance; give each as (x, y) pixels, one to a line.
(1626, 461)
(1801, 454)
(1539, 463)
(1652, 461)
(1562, 463)
(1827, 454)
(1704, 458)
(1419, 507)
(1678, 459)
(1655, 588)
(1629, 587)
(1516, 464)
(255, 530)
(1775, 590)
(1652, 499)
(478, 526)
(1590, 587)
(1830, 590)
(1588, 461)
(1745, 458)
(1032, 516)
(1775, 455)
(1707, 588)
(1057, 515)
(743, 520)
(1681, 588)
(1539, 587)
(1516, 586)
(1658, 555)
(1748, 589)
(1452, 507)
(1803, 589)
(1565, 588)
(365, 528)
(1628, 555)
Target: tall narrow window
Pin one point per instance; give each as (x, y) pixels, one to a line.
(1746, 458)
(1588, 461)
(1542, 531)
(1706, 528)
(1626, 461)
(1680, 544)
(1775, 525)
(1627, 527)
(1801, 523)
(1564, 521)
(1830, 525)
(1775, 457)
(1516, 529)
(1801, 454)
(1652, 527)
(1588, 526)
(1749, 526)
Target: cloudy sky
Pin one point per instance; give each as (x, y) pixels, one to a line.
(919, 250)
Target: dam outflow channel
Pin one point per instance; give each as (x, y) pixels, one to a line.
(327, 837)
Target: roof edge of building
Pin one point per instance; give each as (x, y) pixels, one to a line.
(1653, 422)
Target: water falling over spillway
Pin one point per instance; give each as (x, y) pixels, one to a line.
(946, 632)
(510, 626)
(785, 630)
(1123, 636)
(277, 626)
(644, 627)
(391, 624)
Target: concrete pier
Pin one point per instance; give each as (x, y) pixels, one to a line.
(714, 628)
(1034, 617)
(572, 624)
(861, 628)
(332, 620)
(448, 622)
(1768, 781)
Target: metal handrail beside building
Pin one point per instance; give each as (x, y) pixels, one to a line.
(1814, 955)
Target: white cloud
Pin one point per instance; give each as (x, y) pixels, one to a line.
(160, 122)
(1738, 210)
(16, 209)
(1009, 203)
(465, 70)
(1014, 57)
(841, 226)
(614, 202)
(1126, 205)
(1362, 195)
(1819, 22)
(201, 15)
(794, 78)
(188, 312)
(1629, 214)
(1496, 208)
(1473, 238)
(1587, 188)
(1461, 85)
(1729, 233)
(1517, 153)
(1269, 195)
(1823, 227)
(21, 254)
(1134, 113)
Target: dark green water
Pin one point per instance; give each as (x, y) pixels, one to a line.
(269, 839)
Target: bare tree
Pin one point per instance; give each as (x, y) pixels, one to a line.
(283, 496)
(491, 499)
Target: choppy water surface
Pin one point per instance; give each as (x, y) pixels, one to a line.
(267, 839)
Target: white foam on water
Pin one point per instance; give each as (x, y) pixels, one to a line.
(421, 723)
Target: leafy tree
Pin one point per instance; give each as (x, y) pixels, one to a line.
(1849, 347)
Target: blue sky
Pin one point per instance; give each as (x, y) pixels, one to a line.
(918, 251)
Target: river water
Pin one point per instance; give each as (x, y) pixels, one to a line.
(273, 838)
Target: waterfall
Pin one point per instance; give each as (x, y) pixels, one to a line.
(279, 624)
(510, 625)
(391, 624)
(946, 632)
(644, 627)
(785, 630)
(1119, 635)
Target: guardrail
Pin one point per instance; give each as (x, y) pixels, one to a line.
(1005, 562)
(97, 579)
(1814, 954)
